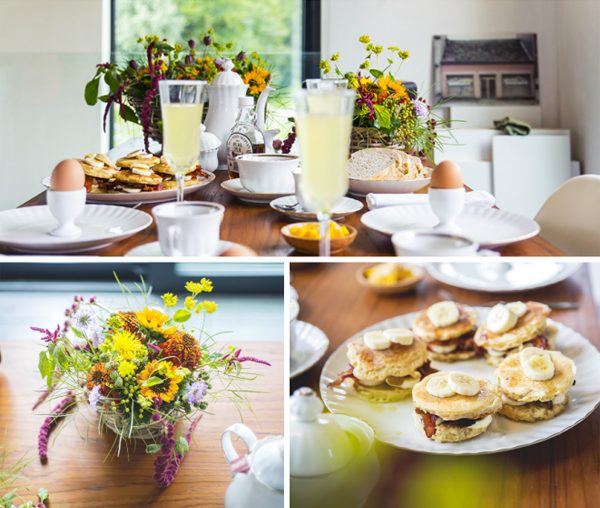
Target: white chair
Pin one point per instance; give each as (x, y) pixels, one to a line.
(570, 217)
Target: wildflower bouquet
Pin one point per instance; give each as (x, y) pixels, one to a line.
(386, 112)
(143, 372)
(134, 86)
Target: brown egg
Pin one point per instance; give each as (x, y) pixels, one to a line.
(68, 175)
(446, 175)
(239, 251)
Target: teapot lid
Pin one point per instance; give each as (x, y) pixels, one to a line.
(318, 445)
(267, 462)
(228, 77)
(208, 141)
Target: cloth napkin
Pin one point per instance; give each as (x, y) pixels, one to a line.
(512, 127)
(474, 198)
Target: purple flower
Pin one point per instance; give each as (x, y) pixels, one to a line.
(219, 62)
(192, 43)
(49, 423)
(96, 337)
(189, 60)
(48, 335)
(420, 108)
(241, 56)
(207, 41)
(94, 396)
(83, 320)
(133, 64)
(197, 392)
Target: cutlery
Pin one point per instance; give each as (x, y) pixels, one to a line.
(291, 208)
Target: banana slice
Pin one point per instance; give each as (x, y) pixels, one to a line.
(501, 319)
(439, 387)
(537, 363)
(402, 336)
(463, 384)
(519, 309)
(376, 341)
(443, 314)
(94, 163)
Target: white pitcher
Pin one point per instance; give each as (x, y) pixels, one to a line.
(258, 477)
(223, 99)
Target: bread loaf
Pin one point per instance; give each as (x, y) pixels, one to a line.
(385, 164)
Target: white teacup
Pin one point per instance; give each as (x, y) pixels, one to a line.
(267, 173)
(189, 228)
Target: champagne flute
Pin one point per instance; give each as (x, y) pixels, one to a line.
(326, 84)
(181, 105)
(323, 126)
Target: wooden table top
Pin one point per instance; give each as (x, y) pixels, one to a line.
(77, 474)
(258, 227)
(561, 472)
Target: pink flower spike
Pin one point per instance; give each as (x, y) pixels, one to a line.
(50, 422)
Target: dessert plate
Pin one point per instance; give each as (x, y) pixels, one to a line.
(345, 207)
(126, 198)
(361, 188)
(502, 277)
(27, 229)
(393, 422)
(310, 346)
(489, 227)
(235, 188)
(152, 249)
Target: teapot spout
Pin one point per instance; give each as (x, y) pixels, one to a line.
(261, 107)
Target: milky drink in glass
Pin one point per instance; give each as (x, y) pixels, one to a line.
(181, 133)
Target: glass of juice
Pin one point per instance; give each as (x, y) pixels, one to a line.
(323, 126)
(181, 105)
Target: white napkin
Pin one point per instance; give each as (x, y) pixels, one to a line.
(474, 198)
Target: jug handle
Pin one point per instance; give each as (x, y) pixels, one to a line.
(238, 463)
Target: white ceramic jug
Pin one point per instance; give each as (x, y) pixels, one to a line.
(257, 477)
(223, 106)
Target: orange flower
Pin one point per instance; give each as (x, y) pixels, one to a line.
(98, 376)
(182, 349)
(159, 379)
(257, 80)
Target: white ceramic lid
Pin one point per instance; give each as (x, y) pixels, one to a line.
(267, 462)
(208, 141)
(228, 77)
(318, 444)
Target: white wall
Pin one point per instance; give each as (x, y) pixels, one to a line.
(48, 51)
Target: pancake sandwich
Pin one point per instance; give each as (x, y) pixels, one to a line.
(99, 172)
(454, 406)
(385, 365)
(534, 384)
(448, 329)
(513, 326)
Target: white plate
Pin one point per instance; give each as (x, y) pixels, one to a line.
(126, 198)
(311, 345)
(152, 249)
(346, 206)
(27, 229)
(489, 227)
(393, 423)
(502, 277)
(235, 188)
(363, 187)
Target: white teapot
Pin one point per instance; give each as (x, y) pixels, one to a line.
(258, 478)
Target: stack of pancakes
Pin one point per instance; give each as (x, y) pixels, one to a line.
(136, 172)
(531, 329)
(448, 343)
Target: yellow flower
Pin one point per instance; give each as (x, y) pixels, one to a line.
(403, 55)
(365, 39)
(127, 345)
(257, 80)
(153, 319)
(159, 379)
(144, 401)
(126, 367)
(325, 67)
(204, 285)
(207, 285)
(377, 49)
(399, 91)
(189, 302)
(209, 306)
(384, 81)
(170, 299)
(335, 57)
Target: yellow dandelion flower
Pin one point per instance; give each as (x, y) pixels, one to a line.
(125, 368)
(169, 299)
(127, 345)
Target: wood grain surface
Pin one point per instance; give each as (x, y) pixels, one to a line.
(79, 474)
(258, 226)
(561, 472)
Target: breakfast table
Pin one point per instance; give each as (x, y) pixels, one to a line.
(258, 226)
(562, 471)
(80, 471)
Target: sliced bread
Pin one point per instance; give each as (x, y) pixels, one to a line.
(374, 164)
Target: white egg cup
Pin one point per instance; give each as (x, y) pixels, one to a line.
(66, 207)
(447, 204)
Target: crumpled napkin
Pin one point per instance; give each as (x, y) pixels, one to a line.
(474, 198)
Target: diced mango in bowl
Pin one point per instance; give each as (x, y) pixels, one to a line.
(310, 230)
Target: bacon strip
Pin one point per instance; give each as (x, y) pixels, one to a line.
(540, 341)
(429, 421)
(342, 376)
(426, 369)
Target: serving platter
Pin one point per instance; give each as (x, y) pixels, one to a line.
(235, 188)
(310, 345)
(490, 227)
(361, 188)
(28, 229)
(126, 198)
(393, 422)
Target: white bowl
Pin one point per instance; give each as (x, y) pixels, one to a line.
(363, 187)
(265, 173)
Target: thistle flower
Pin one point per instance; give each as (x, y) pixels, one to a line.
(421, 108)
(50, 422)
(197, 392)
(94, 396)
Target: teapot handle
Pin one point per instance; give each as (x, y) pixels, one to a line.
(247, 436)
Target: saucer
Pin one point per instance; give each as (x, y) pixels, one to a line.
(311, 345)
(345, 207)
(235, 188)
(152, 249)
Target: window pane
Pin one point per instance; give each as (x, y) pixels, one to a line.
(516, 86)
(461, 86)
